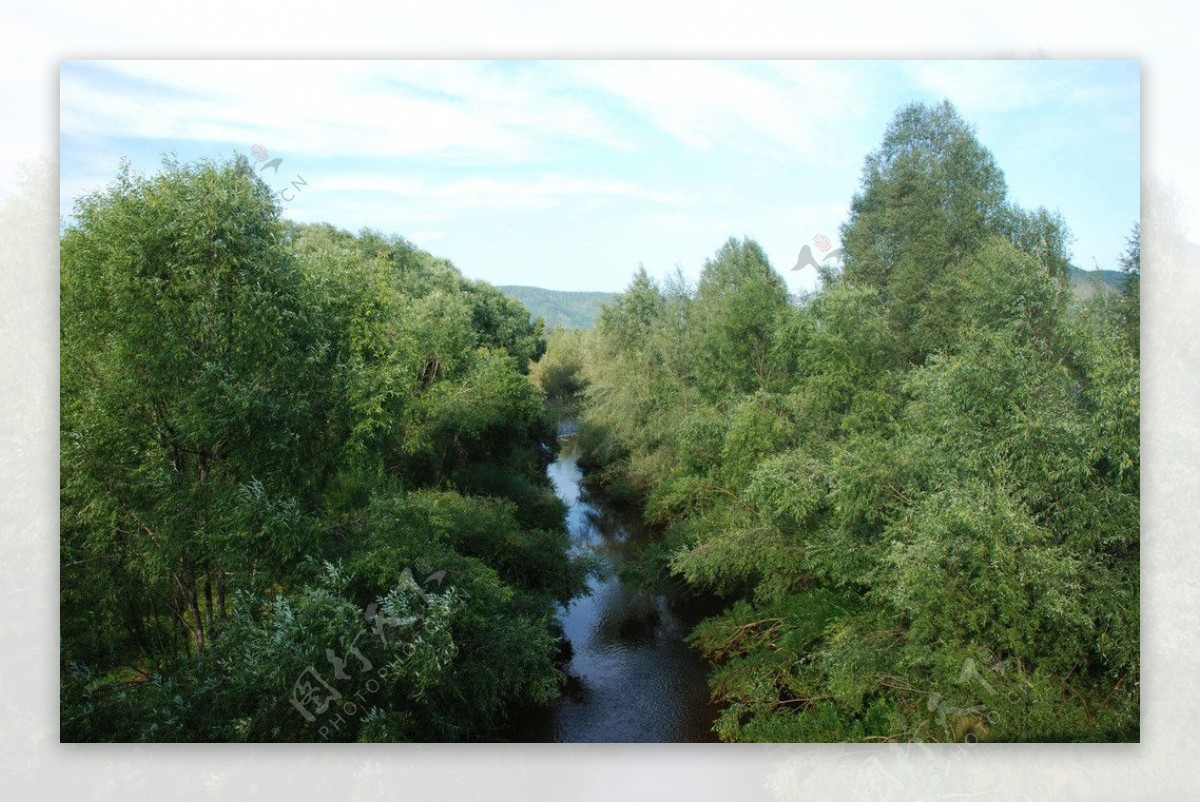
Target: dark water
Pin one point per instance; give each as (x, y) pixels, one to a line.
(633, 678)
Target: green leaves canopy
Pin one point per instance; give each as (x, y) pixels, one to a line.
(255, 417)
(917, 491)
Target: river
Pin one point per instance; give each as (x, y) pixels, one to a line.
(632, 677)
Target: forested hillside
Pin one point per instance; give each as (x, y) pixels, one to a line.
(917, 492)
(580, 310)
(1086, 283)
(303, 489)
(570, 310)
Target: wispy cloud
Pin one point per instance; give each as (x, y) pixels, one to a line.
(983, 87)
(1003, 87)
(329, 109)
(777, 108)
(603, 163)
(534, 193)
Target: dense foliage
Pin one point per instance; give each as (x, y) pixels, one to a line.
(304, 492)
(918, 489)
(303, 478)
(560, 372)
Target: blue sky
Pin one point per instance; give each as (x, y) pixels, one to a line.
(570, 174)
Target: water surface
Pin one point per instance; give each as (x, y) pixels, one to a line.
(633, 678)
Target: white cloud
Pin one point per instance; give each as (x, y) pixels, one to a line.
(1006, 86)
(461, 113)
(422, 145)
(983, 87)
(298, 107)
(325, 108)
(778, 108)
(446, 199)
(330, 109)
(422, 237)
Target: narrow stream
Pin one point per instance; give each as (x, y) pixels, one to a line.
(632, 677)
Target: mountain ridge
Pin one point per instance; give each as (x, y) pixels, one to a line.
(579, 309)
(570, 309)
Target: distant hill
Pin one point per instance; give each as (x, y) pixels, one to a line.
(579, 310)
(1086, 283)
(571, 310)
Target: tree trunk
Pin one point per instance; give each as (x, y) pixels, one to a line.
(208, 607)
(191, 603)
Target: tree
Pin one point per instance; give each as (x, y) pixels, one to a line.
(932, 196)
(186, 376)
(1131, 295)
(265, 427)
(739, 302)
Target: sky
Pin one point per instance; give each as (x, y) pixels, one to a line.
(570, 175)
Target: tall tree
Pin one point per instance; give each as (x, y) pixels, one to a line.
(186, 374)
(739, 302)
(932, 196)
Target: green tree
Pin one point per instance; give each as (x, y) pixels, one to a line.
(187, 374)
(918, 489)
(265, 426)
(1131, 297)
(733, 320)
(932, 196)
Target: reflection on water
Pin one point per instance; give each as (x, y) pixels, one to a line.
(632, 676)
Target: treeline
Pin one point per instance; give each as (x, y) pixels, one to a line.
(303, 479)
(918, 489)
